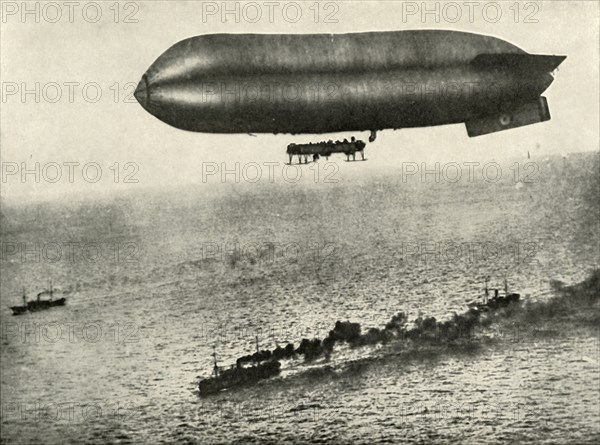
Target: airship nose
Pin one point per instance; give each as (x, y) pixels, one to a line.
(141, 92)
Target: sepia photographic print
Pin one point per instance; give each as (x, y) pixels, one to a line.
(300, 222)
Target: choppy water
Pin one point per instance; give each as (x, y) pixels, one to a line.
(121, 361)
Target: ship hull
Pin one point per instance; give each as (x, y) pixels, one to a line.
(19, 310)
(35, 305)
(38, 305)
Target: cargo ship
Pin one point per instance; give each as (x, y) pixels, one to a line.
(38, 304)
(237, 376)
(497, 301)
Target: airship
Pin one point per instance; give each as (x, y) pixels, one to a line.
(331, 83)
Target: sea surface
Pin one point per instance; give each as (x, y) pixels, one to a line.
(156, 282)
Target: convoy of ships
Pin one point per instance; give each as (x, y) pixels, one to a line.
(265, 364)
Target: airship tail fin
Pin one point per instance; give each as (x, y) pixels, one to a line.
(533, 63)
(527, 114)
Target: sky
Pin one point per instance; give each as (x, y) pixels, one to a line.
(68, 71)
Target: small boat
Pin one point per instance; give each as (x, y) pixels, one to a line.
(38, 304)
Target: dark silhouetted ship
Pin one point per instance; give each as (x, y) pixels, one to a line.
(38, 304)
(237, 375)
(497, 301)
